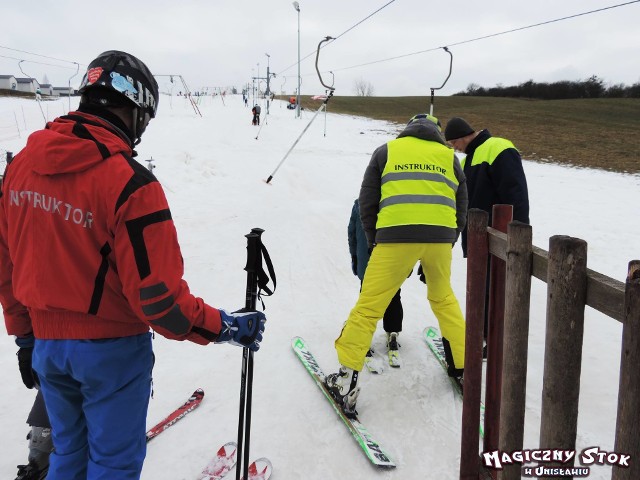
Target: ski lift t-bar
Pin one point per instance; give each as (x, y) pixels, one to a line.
(445, 80)
(326, 39)
(324, 105)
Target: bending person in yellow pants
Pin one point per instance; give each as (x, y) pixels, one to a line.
(413, 206)
(389, 265)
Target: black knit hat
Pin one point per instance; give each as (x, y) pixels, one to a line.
(457, 128)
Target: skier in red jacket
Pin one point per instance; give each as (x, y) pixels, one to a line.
(90, 262)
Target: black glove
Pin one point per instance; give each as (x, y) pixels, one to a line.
(420, 273)
(29, 377)
(354, 265)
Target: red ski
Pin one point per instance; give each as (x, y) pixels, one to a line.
(224, 461)
(191, 404)
(221, 464)
(260, 469)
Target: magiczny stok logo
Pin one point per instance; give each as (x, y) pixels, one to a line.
(563, 461)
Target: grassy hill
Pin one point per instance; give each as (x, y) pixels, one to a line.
(598, 133)
(601, 133)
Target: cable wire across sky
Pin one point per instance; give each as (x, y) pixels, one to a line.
(462, 42)
(38, 55)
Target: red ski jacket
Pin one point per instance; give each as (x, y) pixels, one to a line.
(88, 248)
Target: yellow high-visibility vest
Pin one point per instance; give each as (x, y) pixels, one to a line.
(418, 185)
(489, 151)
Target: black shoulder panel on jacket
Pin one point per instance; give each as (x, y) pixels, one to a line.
(80, 131)
(141, 177)
(135, 228)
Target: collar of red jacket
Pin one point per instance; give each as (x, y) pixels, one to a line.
(74, 143)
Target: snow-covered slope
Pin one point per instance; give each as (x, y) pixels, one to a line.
(213, 170)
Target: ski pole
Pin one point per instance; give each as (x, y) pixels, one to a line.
(253, 267)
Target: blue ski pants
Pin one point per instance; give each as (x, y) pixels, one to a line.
(97, 394)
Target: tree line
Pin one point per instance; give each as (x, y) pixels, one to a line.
(593, 87)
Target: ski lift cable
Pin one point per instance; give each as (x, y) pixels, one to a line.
(322, 107)
(36, 54)
(363, 20)
(33, 61)
(484, 37)
(342, 34)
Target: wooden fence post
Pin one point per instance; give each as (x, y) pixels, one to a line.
(477, 251)
(502, 215)
(566, 298)
(515, 343)
(627, 438)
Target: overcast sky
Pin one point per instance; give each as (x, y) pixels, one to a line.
(224, 43)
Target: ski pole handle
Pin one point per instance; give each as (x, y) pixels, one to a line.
(254, 262)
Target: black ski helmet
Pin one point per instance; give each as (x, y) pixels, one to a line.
(116, 78)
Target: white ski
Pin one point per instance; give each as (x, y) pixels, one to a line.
(369, 445)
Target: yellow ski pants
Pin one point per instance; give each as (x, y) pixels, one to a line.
(388, 267)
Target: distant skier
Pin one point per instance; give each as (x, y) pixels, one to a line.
(256, 114)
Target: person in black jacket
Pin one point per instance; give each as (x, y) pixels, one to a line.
(494, 172)
(256, 115)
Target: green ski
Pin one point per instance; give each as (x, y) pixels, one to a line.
(369, 445)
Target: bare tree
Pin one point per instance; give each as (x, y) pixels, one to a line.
(363, 88)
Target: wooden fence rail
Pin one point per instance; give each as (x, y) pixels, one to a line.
(571, 286)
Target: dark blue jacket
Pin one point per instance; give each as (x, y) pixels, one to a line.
(358, 240)
(501, 181)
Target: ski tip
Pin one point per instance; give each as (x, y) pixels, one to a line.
(431, 332)
(228, 449)
(198, 393)
(260, 469)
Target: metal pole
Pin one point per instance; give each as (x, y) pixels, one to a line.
(296, 5)
(69, 88)
(268, 93)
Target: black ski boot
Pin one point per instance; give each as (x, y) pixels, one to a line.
(392, 349)
(31, 472)
(343, 387)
